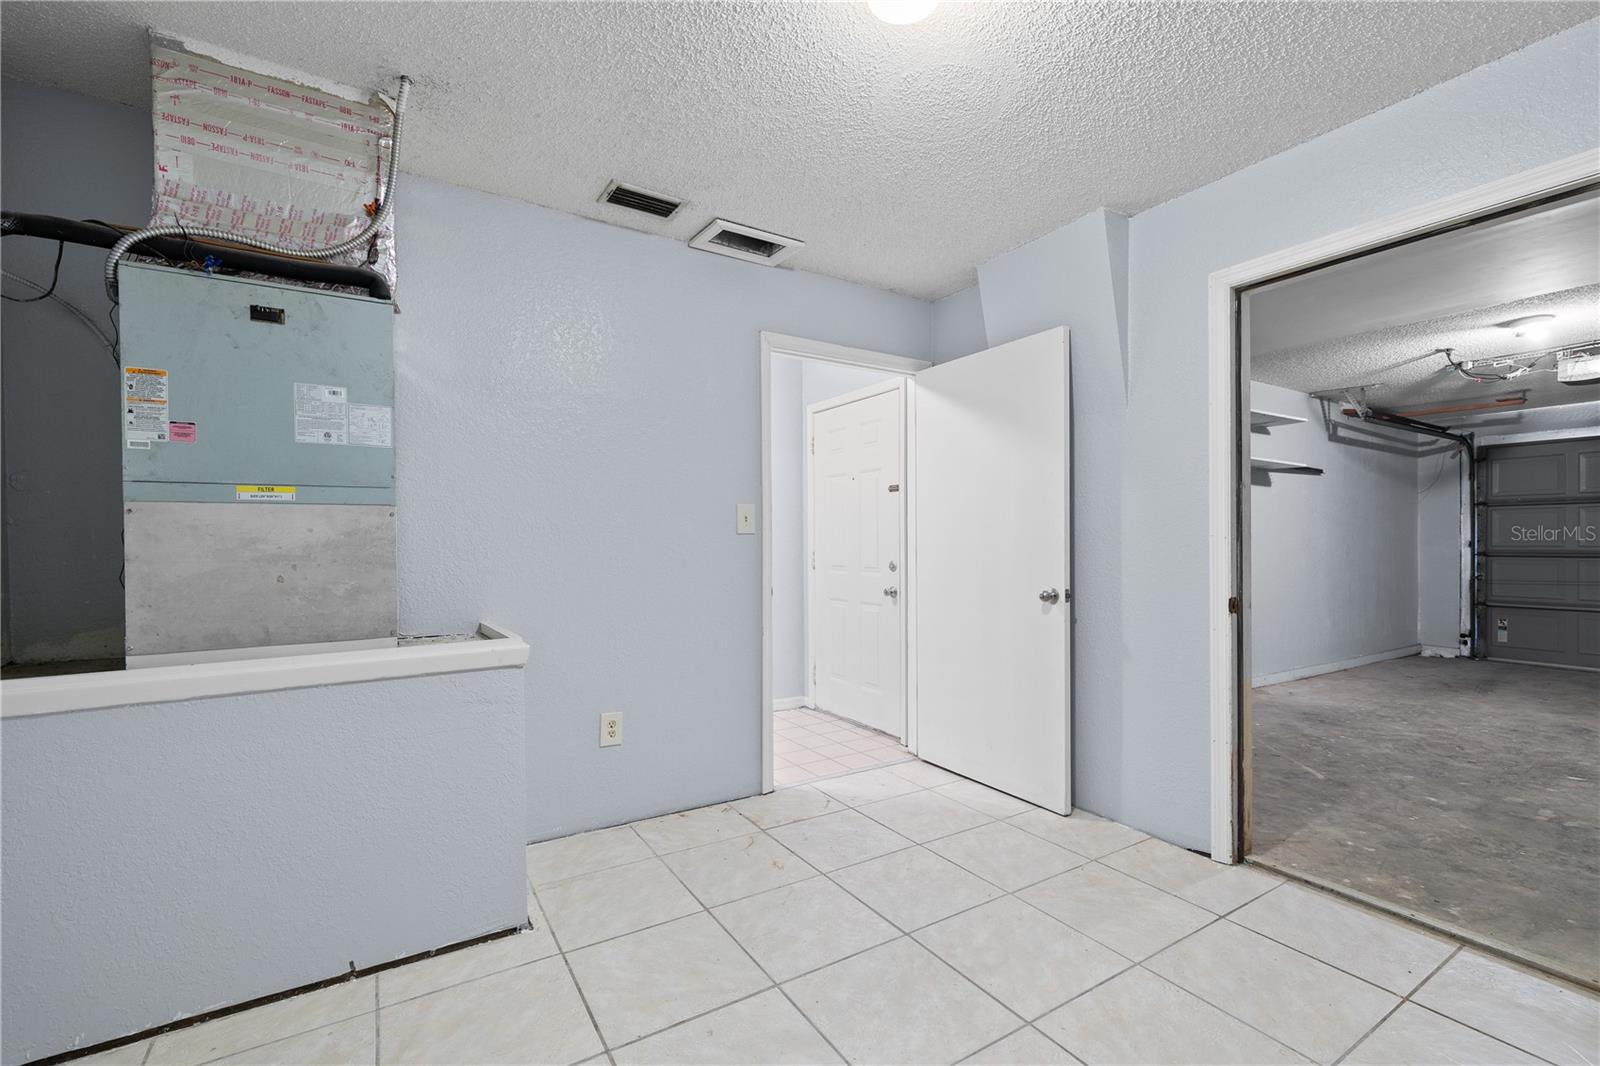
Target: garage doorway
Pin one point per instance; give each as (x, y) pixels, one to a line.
(1419, 577)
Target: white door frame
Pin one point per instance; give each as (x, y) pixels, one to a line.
(900, 385)
(773, 344)
(1228, 442)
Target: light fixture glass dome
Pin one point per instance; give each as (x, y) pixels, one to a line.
(902, 12)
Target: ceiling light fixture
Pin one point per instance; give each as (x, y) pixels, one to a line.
(1532, 327)
(902, 12)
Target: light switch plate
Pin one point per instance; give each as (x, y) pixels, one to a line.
(745, 519)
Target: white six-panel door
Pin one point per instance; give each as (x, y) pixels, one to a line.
(857, 623)
(990, 493)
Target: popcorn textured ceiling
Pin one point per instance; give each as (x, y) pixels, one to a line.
(902, 155)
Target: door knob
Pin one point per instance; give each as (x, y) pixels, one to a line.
(1049, 596)
(891, 591)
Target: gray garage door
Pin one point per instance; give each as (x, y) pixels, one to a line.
(1539, 552)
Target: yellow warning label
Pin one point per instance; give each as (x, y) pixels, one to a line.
(263, 492)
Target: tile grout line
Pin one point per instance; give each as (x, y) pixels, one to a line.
(377, 1022)
(1390, 1013)
(774, 984)
(571, 974)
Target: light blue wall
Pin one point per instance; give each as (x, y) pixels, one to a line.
(1529, 108)
(163, 860)
(1333, 558)
(1141, 715)
(957, 325)
(577, 415)
(788, 566)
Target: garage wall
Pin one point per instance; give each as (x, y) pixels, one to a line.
(1333, 557)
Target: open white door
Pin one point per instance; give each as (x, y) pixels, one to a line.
(993, 569)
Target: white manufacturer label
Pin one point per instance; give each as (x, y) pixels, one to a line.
(144, 408)
(371, 425)
(321, 414)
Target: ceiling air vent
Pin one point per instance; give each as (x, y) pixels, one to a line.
(745, 242)
(635, 199)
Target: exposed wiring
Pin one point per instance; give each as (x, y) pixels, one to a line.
(333, 251)
(44, 294)
(1466, 371)
(77, 312)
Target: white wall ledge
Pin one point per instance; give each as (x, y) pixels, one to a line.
(494, 648)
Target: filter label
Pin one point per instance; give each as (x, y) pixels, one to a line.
(144, 418)
(321, 414)
(181, 432)
(263, 492)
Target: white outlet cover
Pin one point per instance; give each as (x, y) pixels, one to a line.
(745, 518)
(610, 730)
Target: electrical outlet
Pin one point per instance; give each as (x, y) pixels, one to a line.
(745, 518)
(610, 730)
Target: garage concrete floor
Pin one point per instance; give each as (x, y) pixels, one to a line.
(1465, 792)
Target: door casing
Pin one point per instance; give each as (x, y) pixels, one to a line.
(1228, 454)
(774, 344)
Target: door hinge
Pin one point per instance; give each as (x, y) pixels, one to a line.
(813, 673)
(813, 444)
(813, 560)
(1233, 605)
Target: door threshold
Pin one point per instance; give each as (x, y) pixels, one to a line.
(1521, 957)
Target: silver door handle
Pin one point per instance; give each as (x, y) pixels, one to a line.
(1049, 596)
(891, 591)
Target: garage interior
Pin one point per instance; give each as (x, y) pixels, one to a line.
(1424, 581)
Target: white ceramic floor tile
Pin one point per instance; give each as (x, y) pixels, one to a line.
(532, 1014)
(1552, 1021)
(762, 1029)
(1212, 885)
(1138, 1019)
(1125, 915)
(1021, 956)
(649, 980)
(800, 927)
(1005, 855)
(738, 867)
(1413, 1036)
(867, 786)
(839, 839)
(556, 860)
(1081, 832)
(924, 816)
(262, 1025)
(982, 798)
(354, 1040)
(787, 805)
(899, 1004)
(1026, 1047)
(607, 903)
(690, 829)
(924, 774)
(1353, 938)
(453, 967)
(1306, 1004)
(915, 887)
(127, 1055)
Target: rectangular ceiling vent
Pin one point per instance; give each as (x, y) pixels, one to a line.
(745, 242)
(636, 199)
